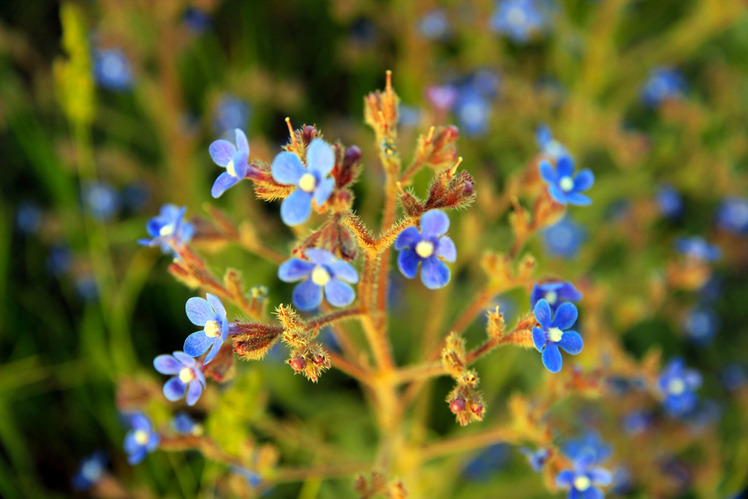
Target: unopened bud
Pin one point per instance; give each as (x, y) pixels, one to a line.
(298, 364)
(457, 405)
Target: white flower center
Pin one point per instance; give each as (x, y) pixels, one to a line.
(307, 182)
(91, 470)
(231, 168)
(516, 17)
(320, 276)
(676, 386)
(186, 375)
(555, 334)
(166, 230)
(212, 329)
(551, 297)
(566, 184)
(141, 437)
(425, 249)
(582, 483)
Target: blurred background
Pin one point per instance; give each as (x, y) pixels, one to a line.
(107, 108)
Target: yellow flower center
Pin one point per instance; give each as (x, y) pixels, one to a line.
(212, 329)
(307, 182)
(186, 375)
(320, 276)
(141, 437)
(676, 386)
(555, 334)
(551, 297)
(231, 168)
(425, 249)
(566, 184)
(582, 483)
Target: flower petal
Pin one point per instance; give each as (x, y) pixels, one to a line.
(565, 166)
(552, 358)
(323, 191)
(557, 194)
(221, 152)
(593, 493)
(566, 316)
(194, 391)
(296, 208)
(571, 342)
(224, 182)
(197, 344)
(565, 479)
(294, 270)
(166, 364)
(338, 293)
(446, 249)
(578, 199)
(584, 180)
(407, 262)
(320, 256)
(434, 273)
(307, 295)
(218, 308)
(408, 238)
(320, 158)
(601, 477)
(217, 343)
(287, 168)
(242, 144)
(344, 271)
(199, 311)
(542, 312)
(547, 172)
(434, 223)
(136, 456)
(174, 389)
(538, 338)
(241, 164)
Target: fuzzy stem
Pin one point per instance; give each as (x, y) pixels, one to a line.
(468, 442)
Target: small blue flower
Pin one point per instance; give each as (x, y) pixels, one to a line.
(428, 247)
(701, 324)
(732, 215)
(141, 439)
(184, 424)
(112, 69)
(210, 314)
(555, 293)
(698, 248)
(637, 422)
(487, 462)
(553, 333)
(588, 445)
(230, 114)
(59, 259)
(563, 238)
(28, 218)
(196, 20)
(670, 201)
(563, 186)
(86, 287)
(253, 479)
(434, 25)
(662, 84)
(733, 376)
(442, 97)
(536, 459)
(168, 229)
(101, 200)
(312, 181)
(677, 385)
(234, 158)
(473, 111)
(584, 481)
(91, 470)
(322, 271)
(518, 19)
(135, 196)
(622, 481)
(188, 377)
(548, 145)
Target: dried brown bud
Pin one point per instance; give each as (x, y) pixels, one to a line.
(381, 110)
(411, 203)
(451, 190)
(252, 341)
(347, 169)
(438, 147)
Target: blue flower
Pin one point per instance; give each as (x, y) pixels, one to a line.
(536, 459)
(188, 377)
(28, 218)
(253, 479)
(210, 314)
(428, 247)
(168, 229)
(548, 145)
(562, 186)
(588, 445)
(86, 287)
(91, 470)
(135, 196)
(555, 293)
(733, 376)
(231, 113)
(487, 462)
(442, 97)
(732, 215)
(677, 385)
(141, 439)
(312, 181)
(584, 480)
(59, 259)
(518, 19)
(234, 158)
(434, 25)
(669, 200)
(698, 248)
(112, 69)
(472, 110)
(322, 270)
(701, 325)
(637, 422)
(662, 84)
(563, 238)
(101, 200)
(196, 19)
(184, 424)
(553, 333)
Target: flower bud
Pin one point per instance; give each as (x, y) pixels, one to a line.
(298, 364)
(457, 405)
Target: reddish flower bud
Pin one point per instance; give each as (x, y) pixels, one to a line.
(457, 405)
(298, 364)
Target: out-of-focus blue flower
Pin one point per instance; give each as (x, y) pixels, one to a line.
(210, 314)
(196, 20)
(135, 196)
(670, 201)
(427, 247)
(487, 462)
(486, 82)
(588, 445)
(555, 293)
(363, 32)
(184, 424)
(662, 84)
(519, 20)
(622, 481)
(548, 145)
(101, 200)
(253, 479)
(28, 218)
(700, 325)
(322, 271)
(707, 413)
(585, 480)
(312, 181)
(141, 439)
(442, 97)
(230, 114)
(733, 376)
(698, 248)
(59, 259)
(86, 287)
(112, 69)
(563, 238)
(637, 422)
(472, 110)
(563, 186)
(168, 229)
(188, 378)
(677, 386)
(711, 290)
(554, 333)
(408, 115)
(732, 215)
(536, 459)
(434, 25)
(234, 158)
(91, 470)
